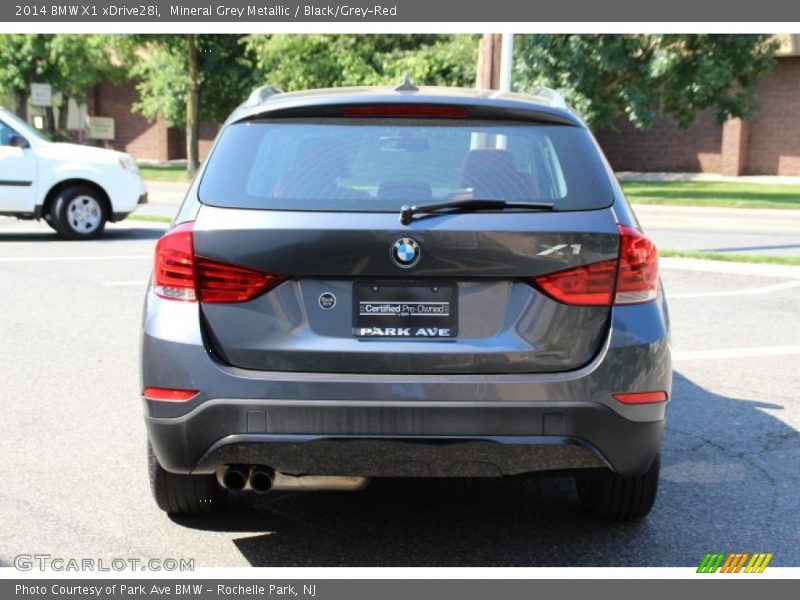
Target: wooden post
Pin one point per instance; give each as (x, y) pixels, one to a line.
(192, 107)
(489, 53)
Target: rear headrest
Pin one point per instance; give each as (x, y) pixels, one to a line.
(487, 164)
(491, 174)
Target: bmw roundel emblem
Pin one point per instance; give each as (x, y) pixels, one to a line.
(406, 252)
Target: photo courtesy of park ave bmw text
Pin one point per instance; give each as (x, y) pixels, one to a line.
(319, 300)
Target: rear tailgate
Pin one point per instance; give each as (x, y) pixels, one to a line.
(501, 323)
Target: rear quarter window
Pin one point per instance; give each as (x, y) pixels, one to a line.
(382, 164)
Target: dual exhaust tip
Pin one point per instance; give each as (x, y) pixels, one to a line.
(241, 477)
(261, 479)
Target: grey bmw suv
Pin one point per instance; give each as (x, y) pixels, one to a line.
(404, 282)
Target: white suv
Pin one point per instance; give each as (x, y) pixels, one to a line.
(75, 189)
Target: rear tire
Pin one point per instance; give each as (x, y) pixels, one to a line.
(619, 498)
(183, 494)
(78, 213)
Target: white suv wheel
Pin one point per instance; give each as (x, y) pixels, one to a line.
(78, 213)
(84, 214)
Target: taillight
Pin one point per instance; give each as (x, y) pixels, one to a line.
(173, 272)
(630, 279)
(180, 275)
(220, 282)
(587, 285)
(637, 280)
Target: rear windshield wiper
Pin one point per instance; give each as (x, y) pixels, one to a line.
(407, 212)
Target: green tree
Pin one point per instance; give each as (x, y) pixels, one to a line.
(24, 59)
(449, 60)
(639, 77)
(79, 62)
(71, 63)
(295, 62)
(189, 78)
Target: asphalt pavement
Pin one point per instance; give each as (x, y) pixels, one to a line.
(74, 476)
(723, 230)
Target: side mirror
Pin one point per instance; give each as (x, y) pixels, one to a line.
(17, 141)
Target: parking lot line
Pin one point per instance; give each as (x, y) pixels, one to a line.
(690, 355)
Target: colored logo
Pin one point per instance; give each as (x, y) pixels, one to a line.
(406, 252)
(735, 562)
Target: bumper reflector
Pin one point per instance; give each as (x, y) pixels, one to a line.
(168, 394)
(641, 397)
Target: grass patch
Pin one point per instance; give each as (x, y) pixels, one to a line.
(150, 218)
(746, 258)
(714, 193)
(164, 173)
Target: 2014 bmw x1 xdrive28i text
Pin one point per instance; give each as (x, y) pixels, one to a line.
(406, 282)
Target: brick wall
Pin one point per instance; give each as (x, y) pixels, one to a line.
(208, 132)
(768, 144)
(665, 146)
(143, 139)
(133, 132)
(774, 129)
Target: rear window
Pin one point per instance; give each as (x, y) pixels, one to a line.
(381, 164)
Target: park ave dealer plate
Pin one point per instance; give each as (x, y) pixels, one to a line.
(405, 310)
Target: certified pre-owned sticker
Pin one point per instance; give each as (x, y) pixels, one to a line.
(327, 300)
(422, 309)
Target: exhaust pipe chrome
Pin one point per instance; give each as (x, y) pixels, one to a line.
(233, 477)
(261, 479)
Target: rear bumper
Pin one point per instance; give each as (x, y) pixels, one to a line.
(385, 440)
(400, 424)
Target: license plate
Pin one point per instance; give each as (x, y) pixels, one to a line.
(407, 310)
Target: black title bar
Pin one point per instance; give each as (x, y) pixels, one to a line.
(441, 11)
